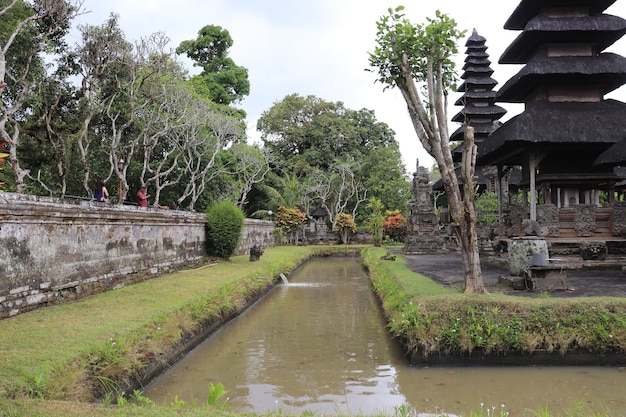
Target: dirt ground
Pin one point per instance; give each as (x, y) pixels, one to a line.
(585, 282)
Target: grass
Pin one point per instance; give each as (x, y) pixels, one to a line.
(438, 321)
(52, 340)
(56, 359)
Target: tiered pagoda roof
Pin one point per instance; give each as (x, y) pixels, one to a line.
(562, 85)
(478, 99)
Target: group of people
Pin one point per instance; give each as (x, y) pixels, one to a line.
(101, 195)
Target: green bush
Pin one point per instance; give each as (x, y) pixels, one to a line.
(224, 226)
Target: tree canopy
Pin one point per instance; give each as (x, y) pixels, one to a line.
(221, 80)
(342, 156)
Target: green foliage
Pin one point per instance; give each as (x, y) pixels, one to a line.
(346, 226)
(308, 135)
(433, 43)
(224, 225)
(376, 220)
(487, 206)
(289, 221)
(433, 323)
(221, 80)
(215, 393)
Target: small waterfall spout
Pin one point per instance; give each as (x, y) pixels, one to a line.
(284, 278)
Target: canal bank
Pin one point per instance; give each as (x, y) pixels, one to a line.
(63, 352)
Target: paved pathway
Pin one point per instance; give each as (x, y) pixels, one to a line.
(446, 269)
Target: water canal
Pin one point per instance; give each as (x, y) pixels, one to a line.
(319, 344)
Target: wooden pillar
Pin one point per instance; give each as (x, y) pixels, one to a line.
(532, 167)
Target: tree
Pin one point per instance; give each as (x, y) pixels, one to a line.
(337, 190)
(221, 80)
(376, 220)
(320, 141)
(406, 55)
(252, 167)
(2, 160)
(26, 32)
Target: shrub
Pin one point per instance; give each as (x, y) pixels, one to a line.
(395, 225)
(290, 221)
(345, 226)
(376, 220)
(224, 226)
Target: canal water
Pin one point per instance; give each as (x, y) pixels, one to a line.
(319, 344)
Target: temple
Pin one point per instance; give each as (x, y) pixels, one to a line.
(567, 123)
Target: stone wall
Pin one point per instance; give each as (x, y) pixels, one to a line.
(256, 232)
(54, 250)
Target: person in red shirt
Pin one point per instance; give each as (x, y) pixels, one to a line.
(142, 197)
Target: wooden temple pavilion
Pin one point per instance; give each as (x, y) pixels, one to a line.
(567, 122)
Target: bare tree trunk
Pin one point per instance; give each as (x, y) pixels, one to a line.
(467, 221)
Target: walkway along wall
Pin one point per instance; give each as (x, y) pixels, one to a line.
(54, 250)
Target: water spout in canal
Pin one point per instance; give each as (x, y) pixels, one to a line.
(284, 278)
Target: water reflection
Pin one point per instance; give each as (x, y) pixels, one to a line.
(320, 344)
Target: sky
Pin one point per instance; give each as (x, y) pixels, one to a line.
(321, 48)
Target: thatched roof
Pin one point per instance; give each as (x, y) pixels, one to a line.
(478, 99)
(544, 124)
(606, 71)
(477, 96)
(481, 131)
(615, 155)
(471, 111)
(601, 31)
(514, 177)
(527, 9)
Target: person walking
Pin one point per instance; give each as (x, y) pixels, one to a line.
(142, 197)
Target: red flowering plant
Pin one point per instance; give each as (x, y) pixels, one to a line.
(395, 225)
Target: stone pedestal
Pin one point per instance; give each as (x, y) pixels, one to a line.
(521, 251)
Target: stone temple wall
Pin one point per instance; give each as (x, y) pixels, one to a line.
(54, 250)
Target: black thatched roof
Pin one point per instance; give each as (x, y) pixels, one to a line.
(528, 9)
(544, 124)
(514, 177)
(476, 60)
(475, 95)
(472, 111)
(615, 155)
(481, 131)
(479, 110)
(606, 71)
(601, 31)
(320, 213)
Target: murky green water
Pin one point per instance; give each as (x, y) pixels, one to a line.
(319, 344)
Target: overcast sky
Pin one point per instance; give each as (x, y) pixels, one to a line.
(320, 47)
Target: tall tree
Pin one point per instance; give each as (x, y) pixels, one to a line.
(27, 30)
(221, 80)
(308, 135)
(406, 55)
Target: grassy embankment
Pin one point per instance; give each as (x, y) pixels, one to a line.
(432, 320)
(65, 355)
(96, 347)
